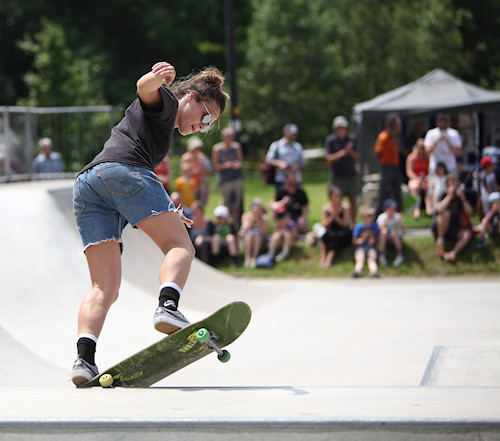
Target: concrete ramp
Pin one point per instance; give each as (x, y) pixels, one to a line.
(463, 366)
(326, 358)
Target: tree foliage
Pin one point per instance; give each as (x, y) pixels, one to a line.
(311, 60)
(57, 77)
(298, 60)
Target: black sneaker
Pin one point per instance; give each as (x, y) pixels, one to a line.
(83, 371)
(169, 321)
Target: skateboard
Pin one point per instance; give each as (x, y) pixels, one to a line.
(178, 350)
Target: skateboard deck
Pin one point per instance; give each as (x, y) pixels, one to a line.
(178, 350)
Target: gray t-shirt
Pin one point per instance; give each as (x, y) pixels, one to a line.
(143, 137)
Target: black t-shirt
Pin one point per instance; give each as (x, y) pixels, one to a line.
(143, 137)
(344, 168)
(297, 201)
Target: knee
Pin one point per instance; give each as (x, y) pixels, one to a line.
(104, 294)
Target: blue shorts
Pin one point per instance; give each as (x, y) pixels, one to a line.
(111, 195)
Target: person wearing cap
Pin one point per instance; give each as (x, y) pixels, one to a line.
(490, 222)
(286, 153)
(342, 156)
(387, 154)
(227, 159)
(364, 237)
(443, 144)
(200, 167)
(224, 239)
(392, 227)
(254, 230)
(487, 183)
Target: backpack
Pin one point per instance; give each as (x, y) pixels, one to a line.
(264, 261)
(268, 172)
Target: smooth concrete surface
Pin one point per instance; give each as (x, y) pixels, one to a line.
(463, 366)
(320, 357)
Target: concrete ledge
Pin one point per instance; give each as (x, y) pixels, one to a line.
(244, 430)
(274, 413)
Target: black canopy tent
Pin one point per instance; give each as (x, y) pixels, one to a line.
(438, 91)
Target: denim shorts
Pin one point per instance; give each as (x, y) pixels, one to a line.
(111, 195)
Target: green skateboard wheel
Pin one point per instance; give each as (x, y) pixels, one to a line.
(203, 335)
(224, 357)
(106, 380)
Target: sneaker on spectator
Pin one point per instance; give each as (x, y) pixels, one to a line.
(382, 260)
(450, 257)
(440, 249)
(481, 243)
(357, 274)
(398, 260)
(374, 274)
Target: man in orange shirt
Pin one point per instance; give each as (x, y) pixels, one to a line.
(387, 154)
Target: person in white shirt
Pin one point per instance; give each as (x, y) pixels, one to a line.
(392, 227)
(443, 144)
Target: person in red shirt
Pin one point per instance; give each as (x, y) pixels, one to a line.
(417, 170)
(387, 154)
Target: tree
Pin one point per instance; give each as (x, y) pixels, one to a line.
(308, 61)
(59, 78)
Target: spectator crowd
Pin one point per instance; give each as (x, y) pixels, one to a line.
(427, 167)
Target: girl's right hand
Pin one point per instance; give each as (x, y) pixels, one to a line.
(164, 70)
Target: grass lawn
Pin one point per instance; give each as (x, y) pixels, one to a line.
(420, 256)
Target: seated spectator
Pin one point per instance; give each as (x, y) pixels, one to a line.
(201, 233)
(490, 222)
(224, 239)
(254, 230)
(335, 217)
(451, 220)
(487, 184)
(364, 237)
(417, 171)
(284, 236)
(392, 227)
(164, 173)
(294, 199)
(186, 186)
(437, 185)
(47, 161)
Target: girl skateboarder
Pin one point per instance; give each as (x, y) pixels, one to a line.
(119, 187)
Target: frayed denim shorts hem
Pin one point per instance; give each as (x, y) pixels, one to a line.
(111, 195)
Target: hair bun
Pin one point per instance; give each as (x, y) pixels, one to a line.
(212, 76)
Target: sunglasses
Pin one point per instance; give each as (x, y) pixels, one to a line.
(207, 119)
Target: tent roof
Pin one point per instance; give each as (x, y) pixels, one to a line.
(438, 90)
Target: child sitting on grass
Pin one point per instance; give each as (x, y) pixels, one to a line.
(391, 225)
(224, 238)
(364, 237)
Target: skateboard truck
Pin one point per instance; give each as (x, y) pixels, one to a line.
(209, 340)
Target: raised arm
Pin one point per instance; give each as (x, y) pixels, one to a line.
(149, 83)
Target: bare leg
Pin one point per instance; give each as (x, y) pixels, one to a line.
(463, 239)
(169, 233)
(104, 261)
